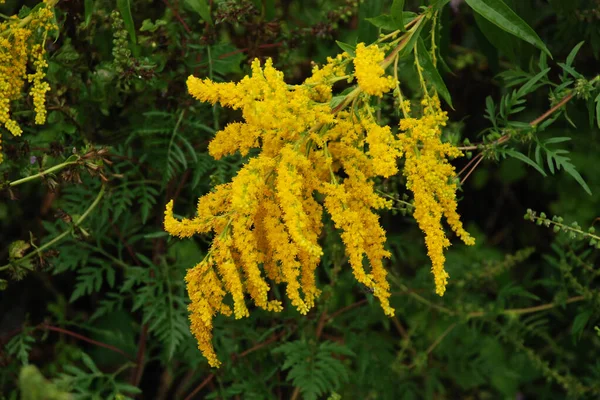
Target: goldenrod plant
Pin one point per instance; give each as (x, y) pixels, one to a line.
(267, 221)
(299, 200)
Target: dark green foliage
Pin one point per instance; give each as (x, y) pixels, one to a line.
(315, 368)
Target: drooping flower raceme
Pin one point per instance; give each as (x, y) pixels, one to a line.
(369, 73)
(431, 179)
(21, 42)
(267, 221)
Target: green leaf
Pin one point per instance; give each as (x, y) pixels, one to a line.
(346, 47)
(156, 235)
(579, 324)
(88, 11)
(386, 22)
(225, 59)
(570, 169)
(598, 110)
(527, 88)
(124, 7)
(525, 159)
(202, 8)
(368, 33)
(502, 16)
(501, 40)
(570, 70)
(389, 23)
(573, 53)
(559, 139)
(396, 11)
(431, 73)
(87, 360)
(438, 4)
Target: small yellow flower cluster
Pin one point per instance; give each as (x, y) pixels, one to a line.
(322, 78)
(267, 221)
(431, 179)
(22, 41)
(369, 72)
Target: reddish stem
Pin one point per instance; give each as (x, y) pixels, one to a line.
(177, 16)
(85, 339)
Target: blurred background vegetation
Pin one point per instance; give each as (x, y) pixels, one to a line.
(101, 313)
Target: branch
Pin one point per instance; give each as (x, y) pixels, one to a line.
(528, 310)
(42, 173)
(533, 123)
(60, 237)
(84, 338)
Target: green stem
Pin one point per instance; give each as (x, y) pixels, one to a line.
(42, 173)
(105, 254)
(564, 227)
(62, 235)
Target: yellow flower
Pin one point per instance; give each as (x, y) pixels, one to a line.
(22, 41)
(369, 72)
(383, 148)
(322, 77)
(431, 179)
(267, 221)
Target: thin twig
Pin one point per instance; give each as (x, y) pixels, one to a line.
(440, 338)
(85, 339)
(462, 181)
(528, 310)
(178, 17)
(138, 371)
(200, 386)
(471, 161)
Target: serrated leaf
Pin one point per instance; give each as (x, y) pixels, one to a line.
(506, 19)
(124, 8)
(522, 157)
(431, 72)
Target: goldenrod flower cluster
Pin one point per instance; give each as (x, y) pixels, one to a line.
(267, 221)
(22, 42)
(369, 72)
(431, 179)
